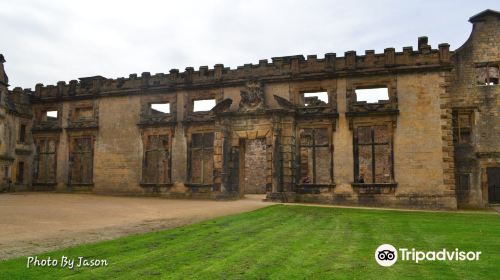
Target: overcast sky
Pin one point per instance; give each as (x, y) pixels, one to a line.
(49, 41)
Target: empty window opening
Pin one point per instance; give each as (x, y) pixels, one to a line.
(51, 115)
(315, 98)
(160, 108)
(22, 133)
(372, 95)
(487, 75)
(203, 105)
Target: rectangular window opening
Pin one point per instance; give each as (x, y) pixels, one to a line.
(463, 186)
(20, 172)
(462, 128)
(159, 108)
(51, 115)
(45, 161)
(315, 98)
(202, 159)
(487, 75)
(204, 105)
(156, 167)
(463, 181)
(372, 95)
(373, 155)
(81, 160)
(22, 133)
(315, 156)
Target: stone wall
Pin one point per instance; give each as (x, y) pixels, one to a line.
(16, 154)
(272, 111)
(119, 149)
(482, 102)
(255, 159)
(263, 137)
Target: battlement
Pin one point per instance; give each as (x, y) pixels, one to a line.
(18, 102)
(286, 67)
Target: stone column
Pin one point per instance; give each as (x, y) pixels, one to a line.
(179, 145)
(277, 156)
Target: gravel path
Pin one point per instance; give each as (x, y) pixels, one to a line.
(31, 223)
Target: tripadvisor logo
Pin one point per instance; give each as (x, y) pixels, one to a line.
(387, 255)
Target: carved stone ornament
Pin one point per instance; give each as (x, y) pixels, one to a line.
(222, 106)
(252, 97)
(284, 103)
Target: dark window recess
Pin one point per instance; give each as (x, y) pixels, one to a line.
(6, 172)
(20, 172)
(81, 161)
(487, 75)
(315, 156)
(462, 128)
(463, 182)
(45, 161)
(493, 178)
(373, 161)
(156, 167)
(202, 158)
(22, 133)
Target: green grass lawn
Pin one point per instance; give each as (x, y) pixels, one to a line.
(288, 242)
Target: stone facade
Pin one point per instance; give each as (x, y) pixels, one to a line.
(293, 128)
(474, 96)
(16, 144)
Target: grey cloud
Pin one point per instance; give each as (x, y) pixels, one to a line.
(48, 41)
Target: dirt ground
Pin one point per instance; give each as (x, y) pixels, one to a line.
(31, 223)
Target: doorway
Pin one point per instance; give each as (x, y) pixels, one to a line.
(493, 174)
(253, 159)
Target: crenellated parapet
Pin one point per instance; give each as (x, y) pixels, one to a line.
(295, 67)
(18, 102)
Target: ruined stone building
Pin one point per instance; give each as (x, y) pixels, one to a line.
(294, 128)
(16, 145)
